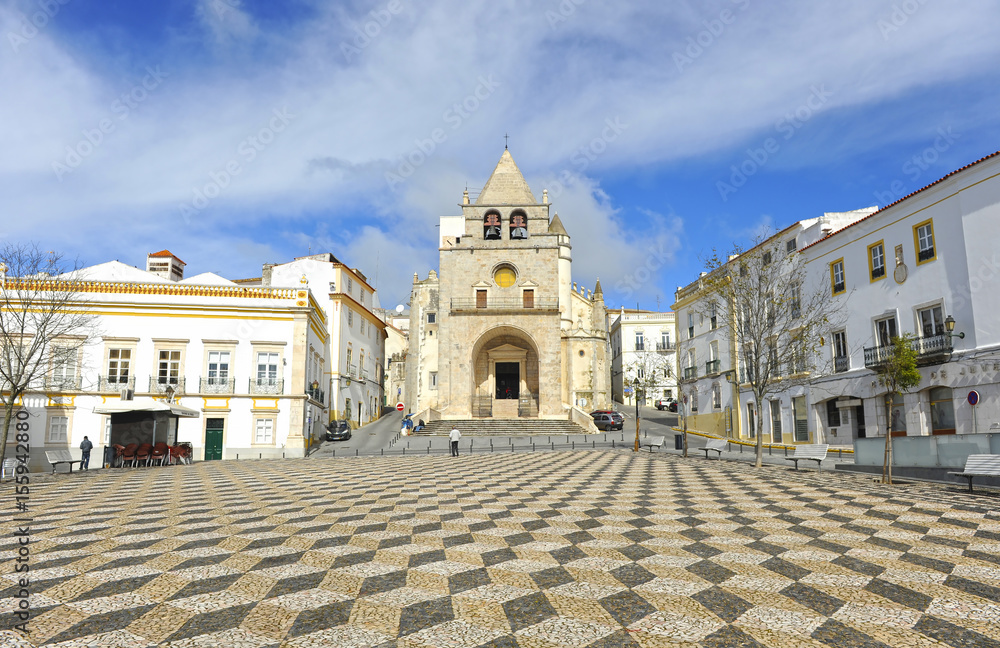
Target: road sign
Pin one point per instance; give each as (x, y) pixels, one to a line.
(399, 407)
(973, 397)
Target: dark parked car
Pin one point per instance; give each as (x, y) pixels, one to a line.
(338, 431)
(608, 420)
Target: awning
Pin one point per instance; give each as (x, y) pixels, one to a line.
(146, 405)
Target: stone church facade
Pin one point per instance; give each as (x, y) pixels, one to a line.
(502, 331)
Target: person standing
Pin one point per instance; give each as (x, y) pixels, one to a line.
(85, 447)
(454, 436)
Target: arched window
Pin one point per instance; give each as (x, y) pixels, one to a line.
(491, 226)
(518, 225)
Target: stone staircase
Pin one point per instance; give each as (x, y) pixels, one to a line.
(502, 427)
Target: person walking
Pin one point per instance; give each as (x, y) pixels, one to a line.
(85, 447)
(454, 436)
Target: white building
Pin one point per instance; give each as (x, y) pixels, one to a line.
(643, 346)
(265, 363)
(909, 267)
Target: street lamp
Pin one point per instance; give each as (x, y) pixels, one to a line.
(635, 394)
(949, 326)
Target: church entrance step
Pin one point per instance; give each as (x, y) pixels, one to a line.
(502, 427)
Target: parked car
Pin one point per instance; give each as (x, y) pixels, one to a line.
(338, 431)
(668, 404)
(608, 420)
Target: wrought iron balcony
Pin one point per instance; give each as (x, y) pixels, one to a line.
(663, 348)
(216, 385)
(841, 364)
(160, 384)
(115, 383)
(640, 347)
(267, 386)
(352, 371)
(712, 367)
(63, 383)
(690, 372)
(506, 305)
(930, 350)
(316, 395)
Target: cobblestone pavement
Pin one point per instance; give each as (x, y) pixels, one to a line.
(546, 550)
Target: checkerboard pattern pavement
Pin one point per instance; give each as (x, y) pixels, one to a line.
(556, 550)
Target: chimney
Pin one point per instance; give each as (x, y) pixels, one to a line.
(165, 264)
(265, 274)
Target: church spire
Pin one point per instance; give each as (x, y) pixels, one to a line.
(506, 185)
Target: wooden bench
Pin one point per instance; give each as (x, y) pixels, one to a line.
(814, 452)
(56, 457)
(654, 442)
(980, 465)
(718, 445)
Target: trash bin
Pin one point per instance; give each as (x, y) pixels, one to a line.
(678, 442)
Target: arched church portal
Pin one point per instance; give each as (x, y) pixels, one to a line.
(505, 376)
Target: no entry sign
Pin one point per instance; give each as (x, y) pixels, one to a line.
(399, 406)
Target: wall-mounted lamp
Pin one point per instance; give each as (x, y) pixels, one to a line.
(949, 326)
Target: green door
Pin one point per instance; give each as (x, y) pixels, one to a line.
(213, 438)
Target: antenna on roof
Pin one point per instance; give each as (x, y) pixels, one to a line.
(505, 141)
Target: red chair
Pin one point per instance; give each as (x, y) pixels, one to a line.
(142, 453)
(160, 452)
(119, 452)
(128, 453)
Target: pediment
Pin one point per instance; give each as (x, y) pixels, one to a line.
(481, 284)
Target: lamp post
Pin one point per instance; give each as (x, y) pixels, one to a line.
(635, 395)
(949, 326)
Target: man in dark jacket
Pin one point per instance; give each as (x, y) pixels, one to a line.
(85, 447)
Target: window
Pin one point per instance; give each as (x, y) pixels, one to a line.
(942, 411)
(664, 340)
(528, 298)
(713, 350)
(795, 300)
(751, 420)
(433, 381)
(350, 318)
(766, 258)
(897, 417)
(931, 322)
(640, 373)
(119, 363)
(690, 325)
(876, 261)
(832, 413)
(923, 239)
(505, 276)
(168, 367)
(58, 428)
(885, 330)
(362, 297)
(361, 325)
(347, 409)
(713, 320)
(64, 368)
(694, 401)
(431, 318)
(491, 226)
(841, 361)
(790, 246)
(716, 396)
(218, 367)
(350, 286)
(264, 431)
(267, 368)
(518, 225)
(639, 341)
(775, 421)
(837, 276)
(480, 299)
(333, 286)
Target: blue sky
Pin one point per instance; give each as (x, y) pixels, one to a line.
(240, 132)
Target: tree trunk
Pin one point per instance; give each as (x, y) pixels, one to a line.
(8, 416)
(887, 457)
(759, 461)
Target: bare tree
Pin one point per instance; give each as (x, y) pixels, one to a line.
(897, 375)
(766, 304)
(44, 323)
